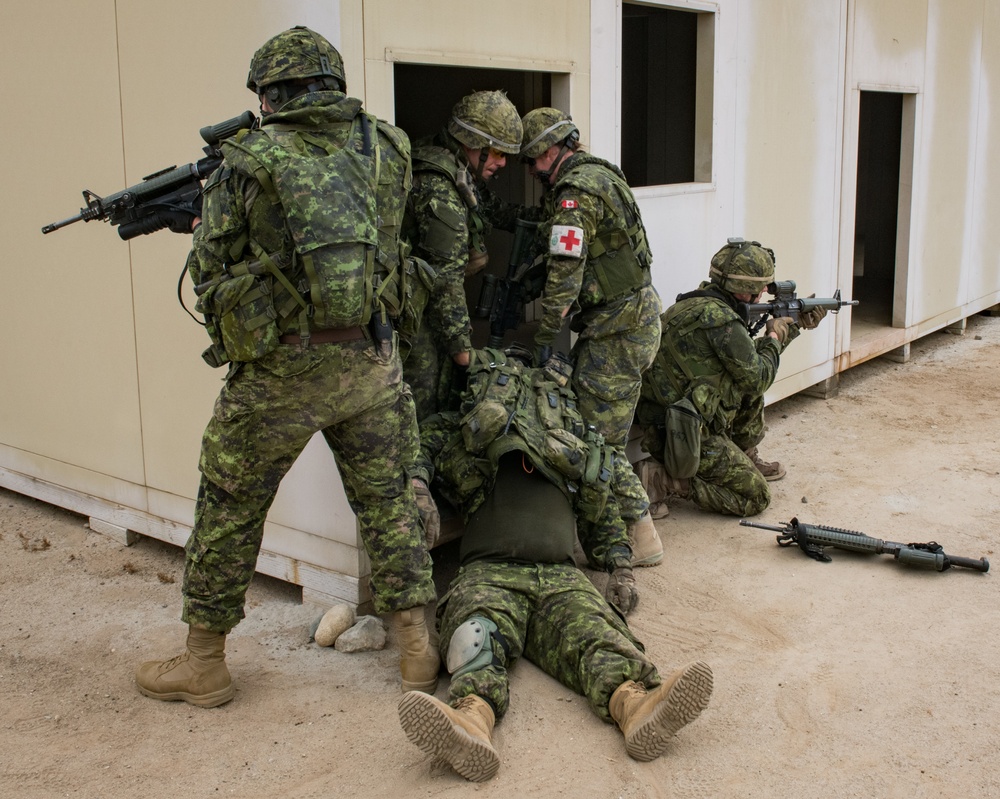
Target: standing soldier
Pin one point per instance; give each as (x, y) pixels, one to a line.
(446, 226)
(598, 274)
(300, 225)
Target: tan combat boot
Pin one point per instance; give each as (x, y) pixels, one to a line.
(660, 486)
(649, 718)
(419, 661)
(771, 470)
(198, 676)
(647, 549)
(461, 735)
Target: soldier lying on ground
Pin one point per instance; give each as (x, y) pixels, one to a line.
(502, 461)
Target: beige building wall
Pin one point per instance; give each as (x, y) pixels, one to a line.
(105, 396)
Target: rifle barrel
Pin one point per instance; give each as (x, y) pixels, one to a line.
(771, 527)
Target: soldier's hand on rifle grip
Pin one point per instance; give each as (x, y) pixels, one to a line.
(621, 591)
(780, 329)
(808, 320)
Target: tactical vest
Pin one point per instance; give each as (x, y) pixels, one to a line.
(435, 158)
(327, 267)
(619, 254)
(509, 407)
(705, 383)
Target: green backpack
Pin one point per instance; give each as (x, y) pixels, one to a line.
(337, 275)
(509, 407)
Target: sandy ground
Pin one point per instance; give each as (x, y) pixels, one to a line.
(856, 678)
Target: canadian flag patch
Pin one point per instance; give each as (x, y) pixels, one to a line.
(570, 204)
(566, 240)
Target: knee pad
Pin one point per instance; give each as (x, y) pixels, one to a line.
(471, 646)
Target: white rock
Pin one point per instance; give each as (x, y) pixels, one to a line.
(334, 622)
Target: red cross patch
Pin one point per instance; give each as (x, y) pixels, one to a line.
(566, 240)
(570, 204)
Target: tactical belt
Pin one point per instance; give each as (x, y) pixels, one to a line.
(331, 335)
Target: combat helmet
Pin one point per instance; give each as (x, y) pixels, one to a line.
(486, 120)
(742, 267)
(544, 127)
(293, 55)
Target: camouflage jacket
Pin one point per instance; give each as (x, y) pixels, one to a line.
(597, 248)
(236, 210)
(443, 224)
(706, 351)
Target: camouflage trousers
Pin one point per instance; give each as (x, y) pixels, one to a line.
(614, 348)
(727, 480)
(430, 374)
(553, 615)
(265, 415)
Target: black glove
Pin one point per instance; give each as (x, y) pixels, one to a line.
(621, 591)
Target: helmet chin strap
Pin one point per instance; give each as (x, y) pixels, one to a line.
(546, 176)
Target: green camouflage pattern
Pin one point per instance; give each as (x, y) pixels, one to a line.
(742, 267)
(546, 426)
(271, 407)
(552, 615)
(235, 205)
(267, 412)
(487, 119)
(616, 345)
(296, 53)
(544, 127)
(441, 227)
(585, 195)
(734, 372)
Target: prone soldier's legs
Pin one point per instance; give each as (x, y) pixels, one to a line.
(576, 637)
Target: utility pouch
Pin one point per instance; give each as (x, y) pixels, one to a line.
(566, 453)
(682, 433)
(246, 319)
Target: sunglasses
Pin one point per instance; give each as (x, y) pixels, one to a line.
(497, 154)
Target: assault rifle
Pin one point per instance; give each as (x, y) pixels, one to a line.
(502, 299)
(812, 538)
(786, 303)
(152, 204)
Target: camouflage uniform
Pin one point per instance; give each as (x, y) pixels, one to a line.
(443, 225)
(517, 571)
(603, 277)
(705, 329)
(271, 406)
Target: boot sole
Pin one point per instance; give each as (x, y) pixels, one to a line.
(213, 699)
(651, 560)
(429, 728)
(685, 701)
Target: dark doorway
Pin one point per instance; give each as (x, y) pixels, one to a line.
(880, 234)
(424, 96)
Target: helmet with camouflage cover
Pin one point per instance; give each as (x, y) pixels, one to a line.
(544, 127)
(742, 267)
(292, 55)
(486, 119)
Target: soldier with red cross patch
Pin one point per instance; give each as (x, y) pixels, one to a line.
(598, 277)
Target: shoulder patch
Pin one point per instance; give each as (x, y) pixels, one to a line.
(570, 204)
(566, 240)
